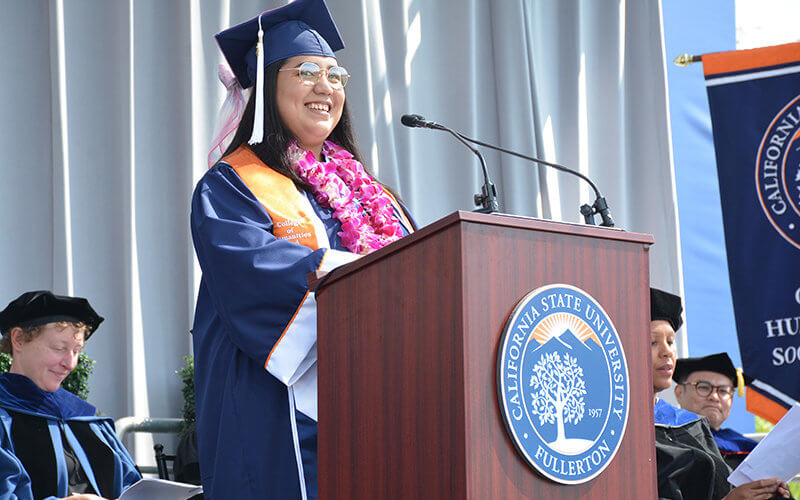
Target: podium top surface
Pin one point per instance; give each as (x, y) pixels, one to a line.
(319, 279)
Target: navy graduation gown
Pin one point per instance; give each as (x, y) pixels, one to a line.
(109, 468)
(255, 342)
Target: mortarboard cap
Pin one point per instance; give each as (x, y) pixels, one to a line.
(666, 306)
(303, 27)
(41, 307)
(719, 363)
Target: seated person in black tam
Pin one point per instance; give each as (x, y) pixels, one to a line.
(52, 444)
(706, 386)
(689, 464)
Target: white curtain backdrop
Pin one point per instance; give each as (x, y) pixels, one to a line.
(106, 110)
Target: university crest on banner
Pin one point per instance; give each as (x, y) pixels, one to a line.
(563, 383)
(778, 172)
(754, 99)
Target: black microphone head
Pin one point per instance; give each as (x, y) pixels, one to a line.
(412, 120)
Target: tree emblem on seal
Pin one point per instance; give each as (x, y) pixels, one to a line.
(558, 390)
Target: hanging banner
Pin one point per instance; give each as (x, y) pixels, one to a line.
(754, 98)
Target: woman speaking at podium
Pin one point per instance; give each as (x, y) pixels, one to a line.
(289, 196)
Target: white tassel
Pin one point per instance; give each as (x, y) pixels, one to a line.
(258, 119)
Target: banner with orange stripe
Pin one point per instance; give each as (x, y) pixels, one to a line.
(754, 99)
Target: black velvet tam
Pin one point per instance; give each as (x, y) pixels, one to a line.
(666, 306)
(718, 363)
(41, 307)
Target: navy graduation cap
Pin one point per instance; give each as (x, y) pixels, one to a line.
(303, 27)
(41, 307)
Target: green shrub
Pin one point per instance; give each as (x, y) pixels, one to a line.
(763, 425)
(77, 382)
(186, 374)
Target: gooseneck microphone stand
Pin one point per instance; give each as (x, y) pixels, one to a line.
(487, 198)
(600, 206)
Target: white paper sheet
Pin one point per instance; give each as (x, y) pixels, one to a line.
(777, 455)
(159, 489)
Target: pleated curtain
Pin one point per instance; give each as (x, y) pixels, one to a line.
(107, 108)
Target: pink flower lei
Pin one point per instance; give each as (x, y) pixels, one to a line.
(358, 202)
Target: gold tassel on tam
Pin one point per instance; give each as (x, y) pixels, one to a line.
(740, 382)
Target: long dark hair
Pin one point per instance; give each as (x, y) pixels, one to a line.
(273, 149)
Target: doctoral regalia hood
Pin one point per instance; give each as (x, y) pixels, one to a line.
(666, 414)
(731, 441)
(19, 393)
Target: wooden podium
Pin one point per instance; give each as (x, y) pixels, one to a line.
(408, 339)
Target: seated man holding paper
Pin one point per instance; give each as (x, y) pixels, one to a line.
(706, 386)
(51, 442)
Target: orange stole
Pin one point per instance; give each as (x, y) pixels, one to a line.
(278, 195)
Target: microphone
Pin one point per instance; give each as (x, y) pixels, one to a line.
(417, 121)
(487, 199)
(600, 206)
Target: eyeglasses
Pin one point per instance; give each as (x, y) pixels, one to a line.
(309, 72)
(705, 389)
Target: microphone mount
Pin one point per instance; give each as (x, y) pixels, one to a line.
(487, 198)
(600, 206)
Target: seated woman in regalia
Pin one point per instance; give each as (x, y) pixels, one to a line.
(52, 444)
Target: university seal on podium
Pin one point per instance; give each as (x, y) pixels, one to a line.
(562, 383)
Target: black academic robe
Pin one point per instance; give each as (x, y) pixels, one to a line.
(52, 444)
(690, 466)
